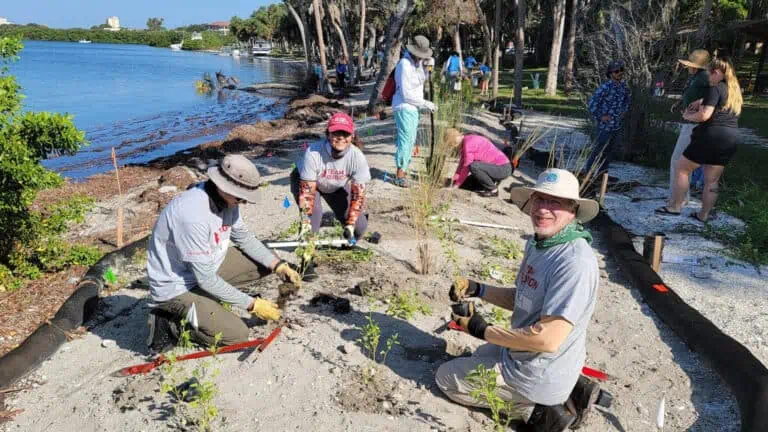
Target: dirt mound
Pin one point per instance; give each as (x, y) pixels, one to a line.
(179, 176)
(244, 137)
(312, 101)
(312, 110)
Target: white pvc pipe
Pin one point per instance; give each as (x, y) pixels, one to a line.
(295, 244)
(473, 223)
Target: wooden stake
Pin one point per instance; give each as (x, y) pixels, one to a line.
(658, 243)
(119, 233)
(603, 188)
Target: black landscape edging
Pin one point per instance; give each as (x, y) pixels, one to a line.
(744, 374)
(78, 308)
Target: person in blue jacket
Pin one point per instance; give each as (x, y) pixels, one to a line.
(470, 62)
(341, 71)
(452, 69)
(608, 106)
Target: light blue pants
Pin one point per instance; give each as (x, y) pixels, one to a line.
(406, 125)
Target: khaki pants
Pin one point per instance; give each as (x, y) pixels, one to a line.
(451, 378)
(238, 270)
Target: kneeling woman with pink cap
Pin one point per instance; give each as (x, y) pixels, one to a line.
(336, 170)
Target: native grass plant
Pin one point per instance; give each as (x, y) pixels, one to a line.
(486, 392)
(405, 305)
(530, 141)
(564, 154)
(430, 178)
(192, 394)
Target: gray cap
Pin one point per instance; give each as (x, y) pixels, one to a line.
(237, 176)
(420, 47)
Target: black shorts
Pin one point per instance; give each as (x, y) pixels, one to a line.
(712, 145)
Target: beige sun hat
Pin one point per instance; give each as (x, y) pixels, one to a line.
(237, 176)
(420, 47)
(558, 183)
(698, 59)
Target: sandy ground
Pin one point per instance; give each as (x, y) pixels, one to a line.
(310, 377)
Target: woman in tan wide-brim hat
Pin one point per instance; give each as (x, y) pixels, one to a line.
(696, 88)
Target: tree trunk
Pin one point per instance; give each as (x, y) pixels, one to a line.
(325, 85)
(496, 48)
(457, 43)
(362, 40)
(371, 44)
(558, 25)
(304, 40)
(392, 42)
(519, 52)
(347, 39)
(336, 19)
(575, 6)
(760, 65)
(702, 35)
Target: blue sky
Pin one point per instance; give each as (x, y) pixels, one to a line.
(132, 13)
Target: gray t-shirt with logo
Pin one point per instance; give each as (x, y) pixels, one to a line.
(319, 166)
(559, 281)
(187, 231)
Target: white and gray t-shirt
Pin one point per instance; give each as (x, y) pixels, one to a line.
(187, 231)
(559, 281)
(319, 166)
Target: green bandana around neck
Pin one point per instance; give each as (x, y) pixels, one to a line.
(572, 231)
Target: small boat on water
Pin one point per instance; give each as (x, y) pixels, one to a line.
(84, 41)
(177, 47)
(261, 48)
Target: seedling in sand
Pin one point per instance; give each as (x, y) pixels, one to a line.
(503, 248)
(499, 317)
(369, 339)
(498, 273)
(486, 392)
(405, 305)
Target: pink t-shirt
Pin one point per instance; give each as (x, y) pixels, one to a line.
(477, 148)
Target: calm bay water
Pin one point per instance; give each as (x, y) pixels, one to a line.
(141, 100)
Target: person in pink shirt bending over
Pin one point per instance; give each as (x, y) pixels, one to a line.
(481, 166)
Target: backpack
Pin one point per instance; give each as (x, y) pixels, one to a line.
(388, 92)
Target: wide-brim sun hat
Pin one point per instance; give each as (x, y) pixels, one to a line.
(698, 59)
(237, 176)
(557, 183)
(420, 47)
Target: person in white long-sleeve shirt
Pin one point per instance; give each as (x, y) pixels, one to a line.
(407, 101)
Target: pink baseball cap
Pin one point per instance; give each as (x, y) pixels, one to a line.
(341, 122)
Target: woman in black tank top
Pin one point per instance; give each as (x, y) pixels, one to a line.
(713, 141)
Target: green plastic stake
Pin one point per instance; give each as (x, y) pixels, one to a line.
(110, 276)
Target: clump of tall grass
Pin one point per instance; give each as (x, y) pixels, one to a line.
(431, 175)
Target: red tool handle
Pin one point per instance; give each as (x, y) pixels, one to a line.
(145, 368)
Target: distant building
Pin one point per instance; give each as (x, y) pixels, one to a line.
(4, 21)
(113, 24)
(220, 26)
(197, 36)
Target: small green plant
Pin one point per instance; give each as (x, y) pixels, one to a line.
(499, 317)
(498, 273)
(405, 305)
(337, 256)
(503, 248)
(369, 337)
(200, 409)
(291, 231)
(486, 392)
(391, 342)
(110, 276)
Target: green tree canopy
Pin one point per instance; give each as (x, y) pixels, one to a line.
(154, 24)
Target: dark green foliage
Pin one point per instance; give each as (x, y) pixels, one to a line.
(31, 238)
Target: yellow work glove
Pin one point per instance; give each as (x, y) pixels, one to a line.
(463, 288)
(288, 274)
(265, 310)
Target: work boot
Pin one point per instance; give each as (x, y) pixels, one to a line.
(163, 332)
(583, 396)
(554, 418)
(307, 268)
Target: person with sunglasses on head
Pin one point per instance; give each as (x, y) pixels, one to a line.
(192, 269)
(407, 101)
(714, 140)
(337, 171)
(540, 357)
(608, 106)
